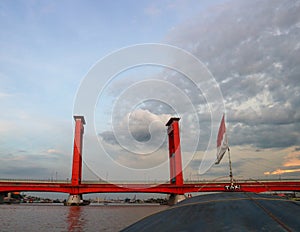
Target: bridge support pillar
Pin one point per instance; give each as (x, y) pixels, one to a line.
(77, 151)
(175, 198)
(176, 176)
(74, 200)
(1, 197)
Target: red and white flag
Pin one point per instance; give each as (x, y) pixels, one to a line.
(222, 142)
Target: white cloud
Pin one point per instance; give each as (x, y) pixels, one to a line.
(293, 158)
(53, 151)
(4, 95)
(138, 139)
(251, 48)
(152, 11)
(256, 71)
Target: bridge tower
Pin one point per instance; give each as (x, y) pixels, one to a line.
(76, 199)
(176, 177)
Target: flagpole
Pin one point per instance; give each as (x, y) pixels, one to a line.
(230, 168)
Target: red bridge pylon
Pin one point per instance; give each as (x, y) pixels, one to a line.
(176, 176)
(76, 199)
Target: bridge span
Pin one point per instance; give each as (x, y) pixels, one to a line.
(85, 188)
(176, 187)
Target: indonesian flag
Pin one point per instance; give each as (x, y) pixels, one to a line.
(222, 142)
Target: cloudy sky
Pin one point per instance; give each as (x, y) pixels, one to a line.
(249, 53)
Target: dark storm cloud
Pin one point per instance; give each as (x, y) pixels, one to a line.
(253, 50)
(25, 172)
(264, 135)
(108, 137)
(137, 128)
(140, 135)
(32, 166)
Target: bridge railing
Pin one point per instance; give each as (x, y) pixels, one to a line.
(155, 182)
(124, 182)
(35, 180)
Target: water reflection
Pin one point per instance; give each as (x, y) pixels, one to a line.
(75, 218)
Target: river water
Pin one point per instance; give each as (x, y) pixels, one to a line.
(56, 217)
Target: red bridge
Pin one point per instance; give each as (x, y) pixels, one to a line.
(176, 187)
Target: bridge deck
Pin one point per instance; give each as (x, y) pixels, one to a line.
(104, 187)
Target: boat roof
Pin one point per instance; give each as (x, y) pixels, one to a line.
(232, 211)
